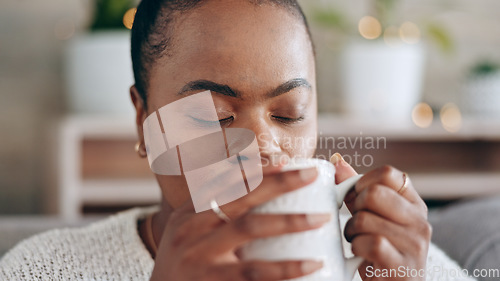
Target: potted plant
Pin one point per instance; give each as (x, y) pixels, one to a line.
(382, 61)
(97, 65)
(480, 96)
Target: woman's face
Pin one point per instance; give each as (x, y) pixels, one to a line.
(263, 55)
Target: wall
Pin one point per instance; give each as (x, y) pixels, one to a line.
(473, 25)
(32, 89)
(31, 93)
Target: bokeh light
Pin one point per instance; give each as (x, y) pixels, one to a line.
(451, 118)
(64, 29)
(369, 27)
(391, 36)
(410, 33)
(128, 18)
(422, 115)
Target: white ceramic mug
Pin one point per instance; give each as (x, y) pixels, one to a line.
(325, 243)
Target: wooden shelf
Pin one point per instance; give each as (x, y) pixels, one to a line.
(472, 129)
(455, 186)
(439, 186)
(98, 167)
(109, 127)
(119, 192)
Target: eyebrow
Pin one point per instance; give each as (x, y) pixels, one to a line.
(288, 86)
(211, 86)
(228, 91)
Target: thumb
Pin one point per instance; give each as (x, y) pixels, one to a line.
(343, 170)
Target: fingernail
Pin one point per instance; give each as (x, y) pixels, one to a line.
(311, 266)
(308, 174)
(284, 160)
(336, 158)
(317, 219)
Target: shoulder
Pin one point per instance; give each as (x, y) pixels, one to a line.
(111, 248)
(440, 265)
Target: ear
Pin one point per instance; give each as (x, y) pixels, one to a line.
(140, 111)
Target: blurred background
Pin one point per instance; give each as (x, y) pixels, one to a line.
(422, 76)
(415, 84)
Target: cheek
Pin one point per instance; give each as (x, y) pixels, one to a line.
(301, 142)
(174, 190)
(308, 146)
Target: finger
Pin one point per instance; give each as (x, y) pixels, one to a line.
(344, 171)
(263, 271)
(253, 226)
(191, 226)
(274, 166)
(363, 223)
(388, 204)
(376, 249)
(272, 186)
(393, 178)
(228, 183)
(268, 170)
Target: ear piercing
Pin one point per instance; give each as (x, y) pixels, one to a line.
(140, 150)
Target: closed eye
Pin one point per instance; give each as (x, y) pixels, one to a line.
(210, 123)
(287, 120)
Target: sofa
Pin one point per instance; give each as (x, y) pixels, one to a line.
(469, 231)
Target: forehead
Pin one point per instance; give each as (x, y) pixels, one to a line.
(247, 46)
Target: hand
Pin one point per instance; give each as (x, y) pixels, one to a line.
(200, 246)
(388, 229)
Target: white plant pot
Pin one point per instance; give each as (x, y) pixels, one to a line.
(98, 71)
(480, 96)
(381, 81)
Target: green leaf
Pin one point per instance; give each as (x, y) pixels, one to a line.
(387, 4)
(109, 14)
(441, 37)
(485, 68)
(329, 18)
(385, 10)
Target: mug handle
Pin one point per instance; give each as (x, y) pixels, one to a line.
(341, 191)
(351, 265)
(343, 188)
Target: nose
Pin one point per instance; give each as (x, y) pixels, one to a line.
(268, 136)
(269, 145)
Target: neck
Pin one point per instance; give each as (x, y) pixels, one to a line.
(158, 223)
(160, 220)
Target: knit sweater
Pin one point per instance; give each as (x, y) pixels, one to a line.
(111, 249)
